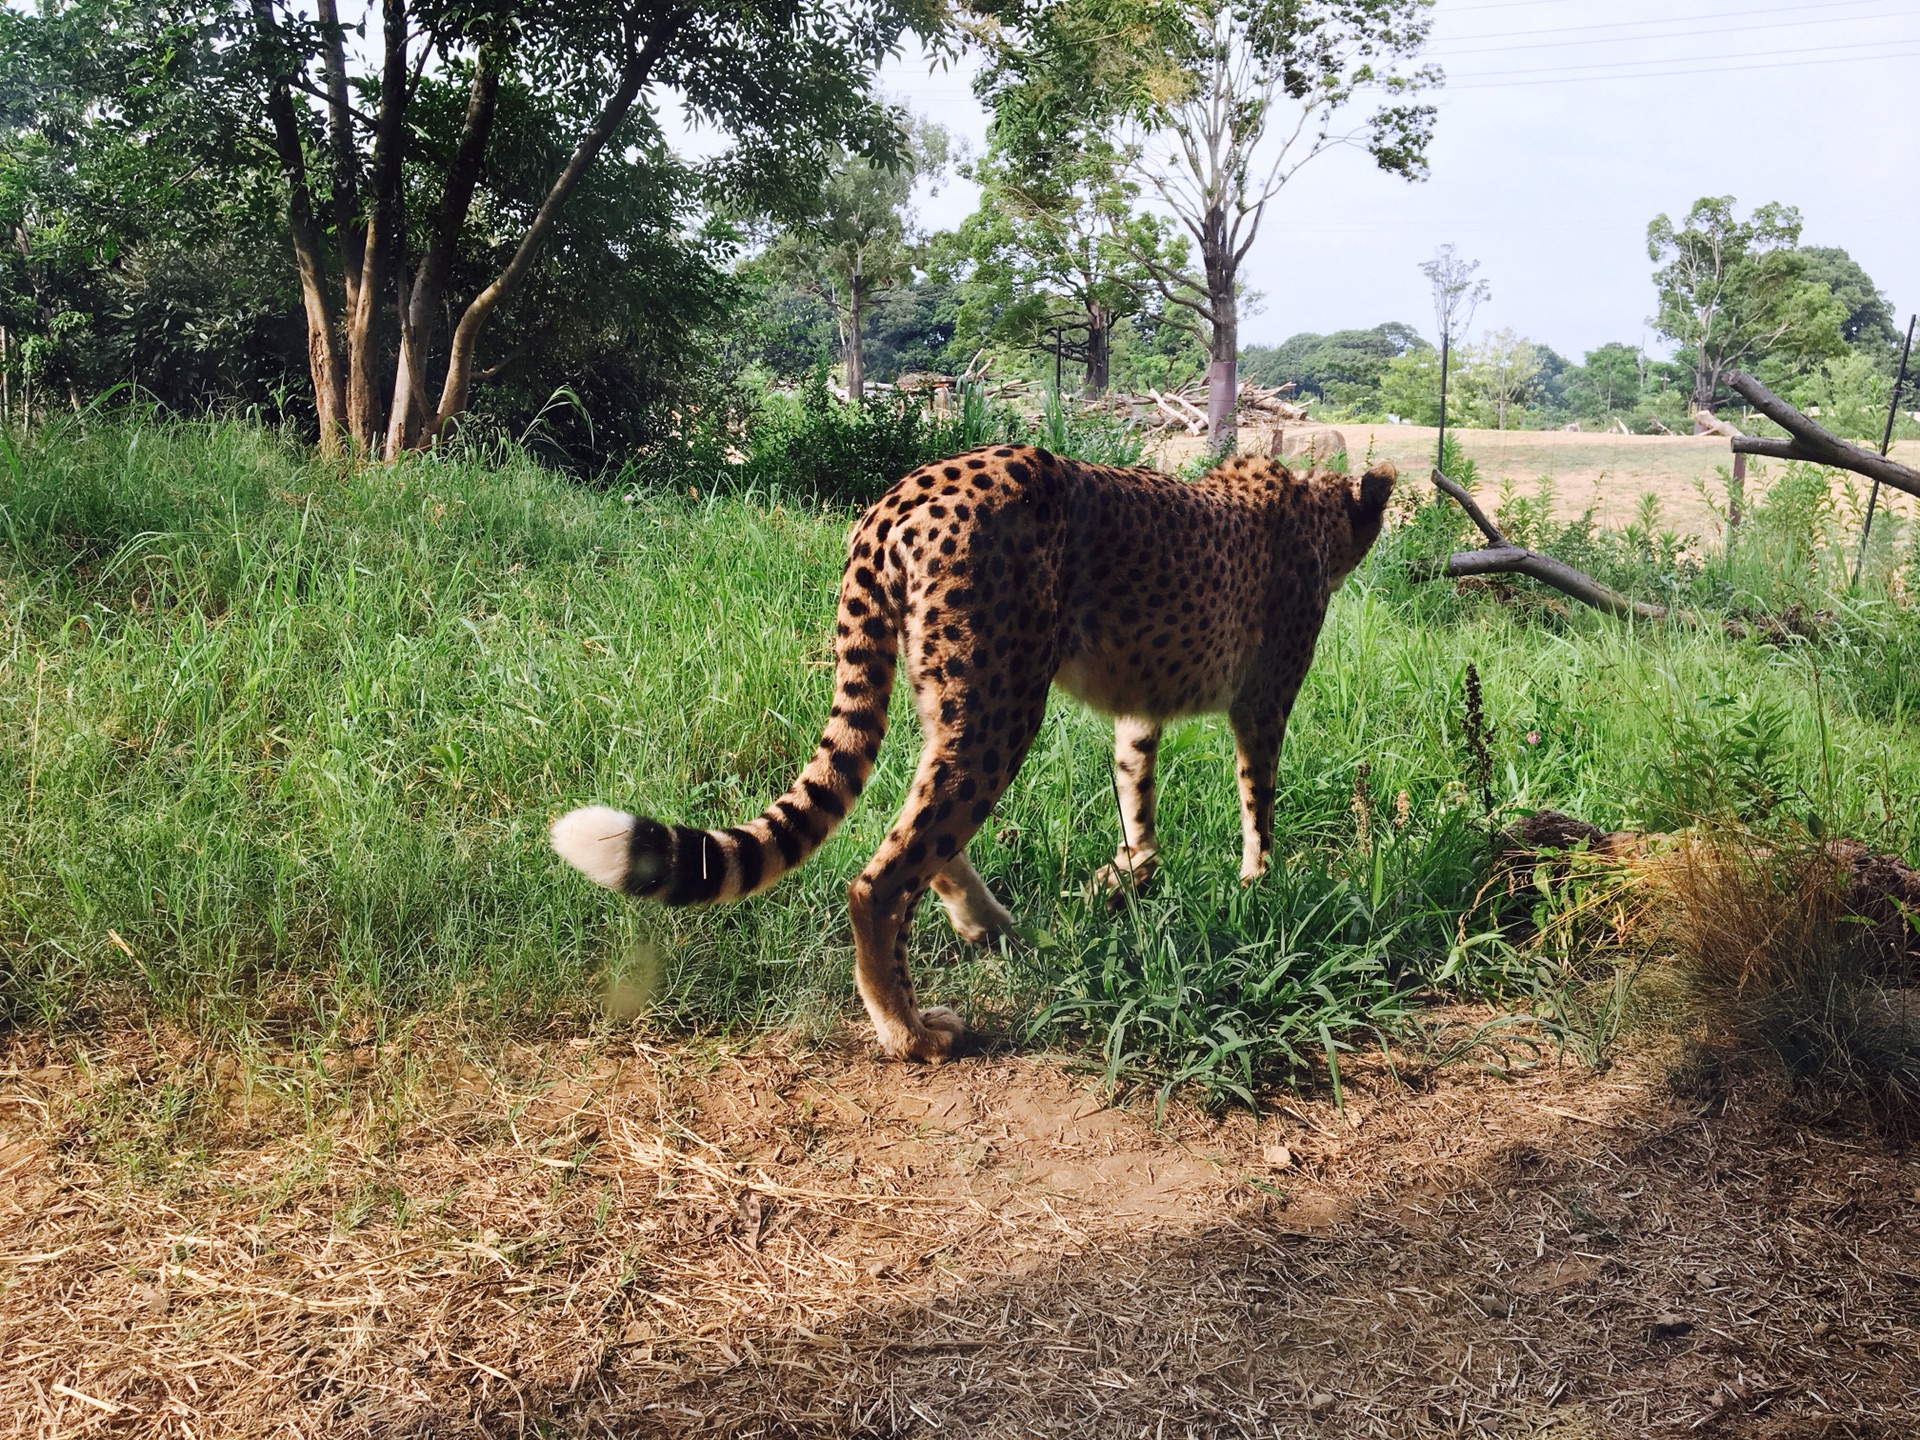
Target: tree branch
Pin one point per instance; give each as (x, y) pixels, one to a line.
(1464, 499)
(1811, 442)
(1503, 557)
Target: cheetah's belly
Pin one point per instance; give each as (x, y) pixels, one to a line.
(1123, 680)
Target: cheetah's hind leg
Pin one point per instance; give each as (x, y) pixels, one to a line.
(960, 778)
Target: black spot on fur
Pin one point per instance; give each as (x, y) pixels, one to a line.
(849, 764)
(783, 837)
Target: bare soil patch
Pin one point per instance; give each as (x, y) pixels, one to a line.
(1607, 472)
(614, 1237)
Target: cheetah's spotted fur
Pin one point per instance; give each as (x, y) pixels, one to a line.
(996, 574)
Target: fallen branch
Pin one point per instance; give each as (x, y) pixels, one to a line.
(1705, 422)
(1503, 557)
(1813, 444)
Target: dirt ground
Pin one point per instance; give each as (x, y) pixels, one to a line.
(1607, 471)
(622, 1238)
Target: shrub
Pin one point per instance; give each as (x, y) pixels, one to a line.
(810, 443)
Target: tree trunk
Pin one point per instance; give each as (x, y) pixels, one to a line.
(456, 389)
(1705, 381)
(382, 244)
(344, 183)
(323, 361)
(1223, 389)
(408, 416)
(1099, 350)
(1223, 371)
(855, 356)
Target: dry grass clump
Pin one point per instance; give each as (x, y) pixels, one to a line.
(1798, 950)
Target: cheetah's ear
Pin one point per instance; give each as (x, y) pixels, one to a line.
(1367, 510)
(1375, 488)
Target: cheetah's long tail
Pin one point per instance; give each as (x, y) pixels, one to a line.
(680, 865)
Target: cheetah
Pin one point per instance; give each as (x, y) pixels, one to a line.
(997, 574)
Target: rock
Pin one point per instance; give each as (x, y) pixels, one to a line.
(1307, 444)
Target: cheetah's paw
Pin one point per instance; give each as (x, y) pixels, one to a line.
(1115, 880)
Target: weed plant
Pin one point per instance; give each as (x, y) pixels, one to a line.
(279, 743)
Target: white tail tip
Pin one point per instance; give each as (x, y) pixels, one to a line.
(594, 840)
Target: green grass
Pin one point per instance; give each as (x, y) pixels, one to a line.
(279, 744)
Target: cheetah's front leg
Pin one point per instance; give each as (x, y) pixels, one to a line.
(977, 917)
(1136, 755)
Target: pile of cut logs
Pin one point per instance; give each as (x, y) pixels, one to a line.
(1154, 411)
(1162, 410)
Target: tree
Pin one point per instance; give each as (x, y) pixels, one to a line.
(1608, 383)
(1501, 371)
(1409, 388)
(1344, 367)
(1456, 294)
(1869, 325)
(399, 167)
(113, 270)
(858, 239)
(1055, 249)
(1217, 104)
(1735, 292)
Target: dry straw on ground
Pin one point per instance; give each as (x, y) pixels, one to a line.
(641, 1241)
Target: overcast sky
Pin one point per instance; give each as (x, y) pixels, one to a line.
(1564, 127)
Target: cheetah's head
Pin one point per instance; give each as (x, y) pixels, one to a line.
(1359, 510)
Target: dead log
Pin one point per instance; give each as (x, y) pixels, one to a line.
(1811, 443)
(1705, 422)
(1503, 557)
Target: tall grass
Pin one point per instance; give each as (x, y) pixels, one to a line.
(279, 743)
(1772, 947)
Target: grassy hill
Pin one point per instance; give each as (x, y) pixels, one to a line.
(279, 743)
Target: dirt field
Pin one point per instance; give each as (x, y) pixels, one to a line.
(1609, 472)
(635, 1240)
